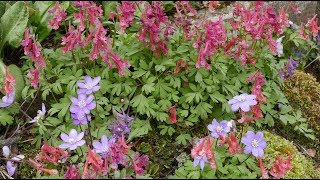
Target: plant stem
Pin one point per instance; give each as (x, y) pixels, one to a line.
(311, 62)
(89, 129)
(245, 159)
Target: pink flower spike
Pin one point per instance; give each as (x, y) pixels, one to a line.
(34, 77)
(139, 162)
(10, 82)
(59, 16)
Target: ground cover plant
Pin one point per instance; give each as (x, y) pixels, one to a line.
(153, 90)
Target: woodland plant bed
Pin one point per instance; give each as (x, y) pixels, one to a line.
(155, 90)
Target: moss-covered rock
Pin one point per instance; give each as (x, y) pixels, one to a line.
(303, 92)
(302, 166)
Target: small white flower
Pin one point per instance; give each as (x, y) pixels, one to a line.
(40, 115)
(279, 46)
(18, 157)
(6, 151)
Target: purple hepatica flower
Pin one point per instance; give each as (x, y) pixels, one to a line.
(254, 144)
(10, 168)
(121, 125)
(89, 86)
(80, 118)
(103, 147)
(7, 100)
(217, 128)
(200, 160)
(73, 140)
(40, 114)
(83, 104)
(243, 101)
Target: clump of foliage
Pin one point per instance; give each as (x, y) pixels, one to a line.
(302, 166)
(303, 92)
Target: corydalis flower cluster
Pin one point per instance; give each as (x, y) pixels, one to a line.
(202, 153)
(9, 85)
(49, 154)
(149, 33)
(32, 50)
(59, 16)
(121, 125)
(289, 69)
(126, 14)
(100, 43)
(215, 36)
(183, 19)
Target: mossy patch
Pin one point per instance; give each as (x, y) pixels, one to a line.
(302, 166)
(303, 92)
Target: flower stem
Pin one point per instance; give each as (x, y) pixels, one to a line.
(246, 159)
(89, 130)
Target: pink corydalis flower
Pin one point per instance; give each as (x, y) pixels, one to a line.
(118, 152)
(258, 79)
(284, 21)
(40, 168)
(215, 36)
(59, 16)
(32, 50)
(73, 38)
(72, 173)
(51, 154)
(202, 153)
(264, 172)
(94, 163)
(126, 14)
(139, 162)
(150, 30)
(281, 167)
(255, 114)
(173, 115)
(312, 24)
(9, 82)
(212, 4)
(233, 144)
(120, 63)
(33, 75)
(302, 32)
(295, 9)
(180, 63)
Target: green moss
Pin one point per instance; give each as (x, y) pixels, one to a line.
(25, 170)
(303, 92)
(302, 166)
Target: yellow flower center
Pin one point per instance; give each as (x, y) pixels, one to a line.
(71, 141)
(82, 104)
(254, 143)
(219, 128)
(89, 86)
